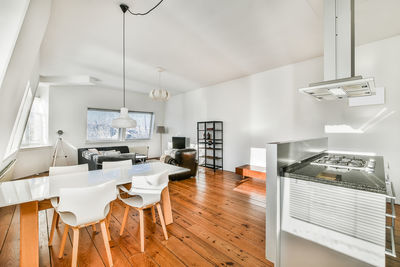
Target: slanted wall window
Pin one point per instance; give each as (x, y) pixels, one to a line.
(99, 125)
(36, 130)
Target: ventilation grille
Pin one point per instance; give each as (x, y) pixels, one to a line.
(352, 212)
(340, 89)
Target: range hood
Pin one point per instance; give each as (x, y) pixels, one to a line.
(340, 81)
(341, 88)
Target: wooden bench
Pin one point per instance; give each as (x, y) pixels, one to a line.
(251, 171)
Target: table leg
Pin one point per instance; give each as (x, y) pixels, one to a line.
(29, 234)
(166, 205)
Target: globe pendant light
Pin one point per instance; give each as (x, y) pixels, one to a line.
(124, 120)
(159, 94)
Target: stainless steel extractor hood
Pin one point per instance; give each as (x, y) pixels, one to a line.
(340, 81)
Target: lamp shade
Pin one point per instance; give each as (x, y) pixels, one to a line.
(159, 95)
(124, 121)
(160, 129)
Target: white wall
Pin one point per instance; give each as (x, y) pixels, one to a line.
(67, 111)
(266, 107)
(255, 110)
(22, 66)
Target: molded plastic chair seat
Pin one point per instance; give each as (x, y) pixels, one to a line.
(117, 164)
(59, 170)
(113, 165)
(145, 193)
(134, 201)
(80, 207)
(62, 170)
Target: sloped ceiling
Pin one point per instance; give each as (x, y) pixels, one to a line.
(198, 42)
(22, 70)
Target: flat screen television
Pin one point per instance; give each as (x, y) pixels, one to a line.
(178, 142)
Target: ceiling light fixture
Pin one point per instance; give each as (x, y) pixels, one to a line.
(124, 120)
(338, 91)
(159, 94)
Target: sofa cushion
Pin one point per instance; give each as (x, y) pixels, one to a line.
(93, 151)
(111, 153)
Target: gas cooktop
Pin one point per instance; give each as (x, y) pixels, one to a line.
(352, 171)
(345, 162)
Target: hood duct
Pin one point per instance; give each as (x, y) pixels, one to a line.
(340, 81)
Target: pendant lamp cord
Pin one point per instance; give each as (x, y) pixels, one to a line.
(125, 8)
(123, 55)
(145, 13)
(159, 79)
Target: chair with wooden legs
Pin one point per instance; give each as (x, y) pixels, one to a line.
(113, 165)
(81, 207)
(62, 170)
(145, 193)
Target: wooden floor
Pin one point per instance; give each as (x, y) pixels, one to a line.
(217, 222)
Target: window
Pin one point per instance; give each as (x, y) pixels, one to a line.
(18, 129)
(36, 129)
(144, 126)
(99, 125)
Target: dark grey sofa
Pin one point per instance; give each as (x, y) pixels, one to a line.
(95, 163)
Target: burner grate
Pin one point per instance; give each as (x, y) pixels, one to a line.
(343, 162)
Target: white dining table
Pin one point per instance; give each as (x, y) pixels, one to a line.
(33, 195)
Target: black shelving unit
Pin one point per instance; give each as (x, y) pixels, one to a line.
(210, 145)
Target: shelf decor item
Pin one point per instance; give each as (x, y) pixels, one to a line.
(210, 145)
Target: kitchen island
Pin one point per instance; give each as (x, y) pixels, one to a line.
(325, 209)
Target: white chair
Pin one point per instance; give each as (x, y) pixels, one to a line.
(60, 170)
(81, 207)
(112, 165)
(117, 164)
(145, 193)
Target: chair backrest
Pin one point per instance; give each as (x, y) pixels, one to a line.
(59, 170)
(86, 204)
(150, 187)
(117, 164)
(155, 181)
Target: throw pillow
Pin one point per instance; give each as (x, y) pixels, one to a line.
(93, 150)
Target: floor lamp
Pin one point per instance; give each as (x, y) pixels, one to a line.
(161, 130)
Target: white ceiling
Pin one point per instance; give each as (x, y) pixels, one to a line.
(198, 42)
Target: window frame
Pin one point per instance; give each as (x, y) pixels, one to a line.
(17, 133)
(45, 128)
(121, 133)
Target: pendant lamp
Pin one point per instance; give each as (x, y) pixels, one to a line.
(159, 94)
(124, 120)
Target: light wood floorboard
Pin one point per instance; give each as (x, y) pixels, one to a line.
(218, 221)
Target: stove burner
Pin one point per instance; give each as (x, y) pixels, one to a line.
(357, 163)
(331, 161)
(343, 162)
